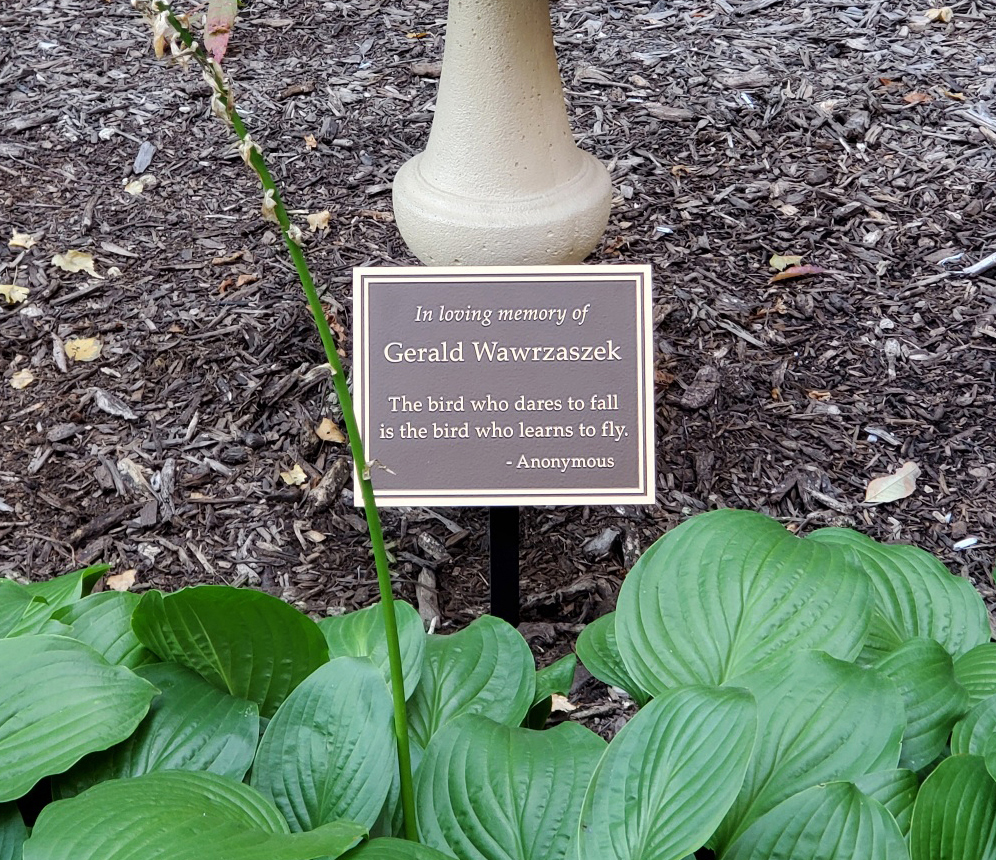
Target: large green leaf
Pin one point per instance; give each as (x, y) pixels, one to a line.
(391, 821)
(922, 671)
(555, 679)
(59, 700)
(330, 751)
(976, 671)
(486, 668)
(822, 720)
(389, 848)
(12, 832)
(103, 621)
(825, 822)
(598, 650)
(245, 642)
(68, 588)
(955, 813)
(915, 596)
(177, 815)
(971, 733)
(729, 591)
(192, 725)
(895, 790)
(669, 776)
(362, 634)
(23, 613)
(485, 791)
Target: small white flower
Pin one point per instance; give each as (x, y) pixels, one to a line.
(246, 146)
(270, 206)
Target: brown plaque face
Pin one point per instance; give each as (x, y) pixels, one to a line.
(505, 386)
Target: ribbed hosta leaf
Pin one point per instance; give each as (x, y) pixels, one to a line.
(490, 792)
(329, 752)
(915, 596)
(22, 613)
(389, 848)
(955, 813)
(103, 621)
(976, 671)
(669, 776)
(486, 668)
(895, 790)
(12, 832)
(922, 671)
(59, 700)
(972, 732)
(729, 591)
(361, 634)
(821, 720)
(192, 725)
(598, 650)
(177, 815)
(827, 822)
(245, 642)
(67, 589)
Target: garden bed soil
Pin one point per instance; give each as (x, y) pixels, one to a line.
(858, 137)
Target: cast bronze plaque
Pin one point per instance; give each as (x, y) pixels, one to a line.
(505, 385)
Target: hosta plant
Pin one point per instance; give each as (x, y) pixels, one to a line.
(815, 698)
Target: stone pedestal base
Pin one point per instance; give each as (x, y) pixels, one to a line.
(501, 181)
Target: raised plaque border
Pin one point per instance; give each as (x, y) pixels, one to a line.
(643, 493)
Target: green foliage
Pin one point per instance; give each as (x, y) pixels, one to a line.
(59, 700)
(12, 832)
(485, 669)
(362, 634)
(329, 753)
(665, 761)
(555, 679)
(955, 813)
(826, 822)
(792, 693)
(485, 791)
(103, 621)
(177, 815)
(191, 725)
(731, 591)
(247, 643)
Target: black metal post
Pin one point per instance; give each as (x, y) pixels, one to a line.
(503, 538)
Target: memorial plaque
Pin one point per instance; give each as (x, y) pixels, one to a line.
(505, 385)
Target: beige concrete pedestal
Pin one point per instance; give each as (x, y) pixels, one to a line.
(501, 181)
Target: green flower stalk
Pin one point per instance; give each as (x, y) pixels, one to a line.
(167, 28)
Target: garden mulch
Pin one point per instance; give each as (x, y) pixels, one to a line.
(859, 137)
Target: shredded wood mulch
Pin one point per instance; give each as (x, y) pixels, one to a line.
(857, 137)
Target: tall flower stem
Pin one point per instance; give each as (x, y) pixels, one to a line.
(274, 204)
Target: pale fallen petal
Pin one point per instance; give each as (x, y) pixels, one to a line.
(782, 261)
(329, 432)
(135, 187)
(22, 379)
(295, 477)
(121, 581)
(560, 704)
(891, 488)
(24, 241)
(319, 220)
(12, 294)
(76, 261)
(83, 348)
